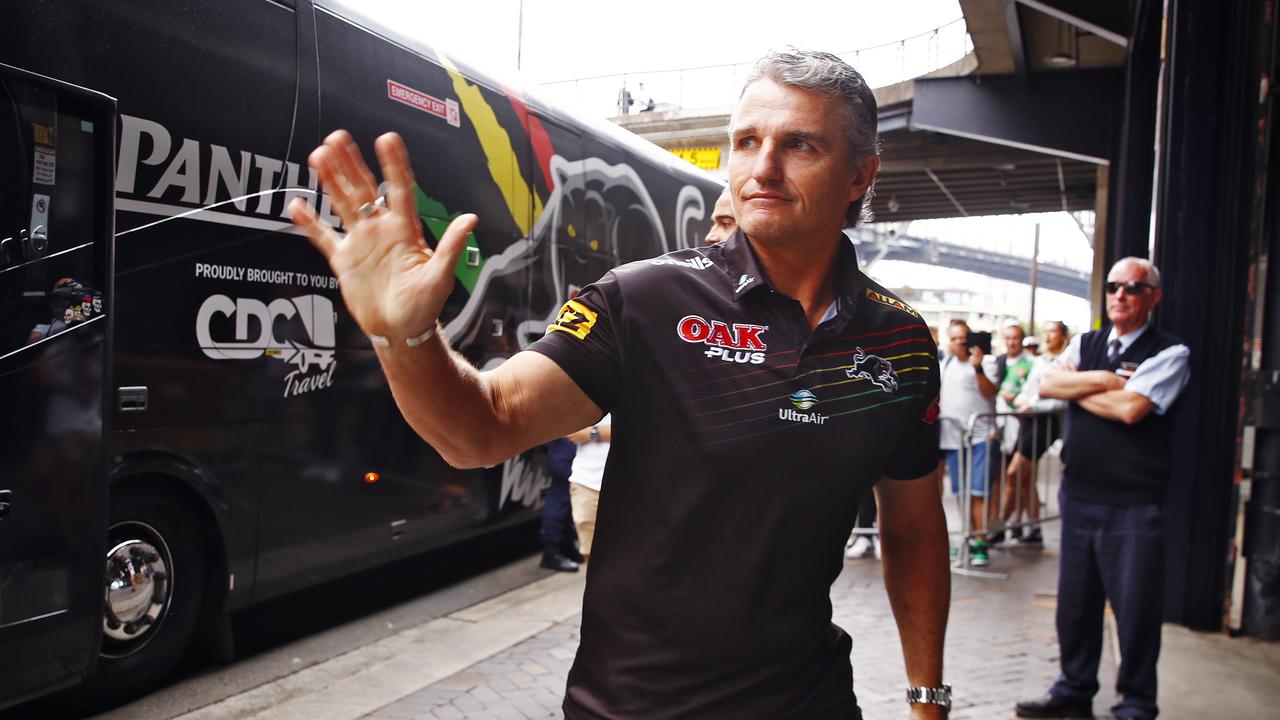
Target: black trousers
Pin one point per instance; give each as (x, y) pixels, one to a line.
(1115, 553)
(557, 516)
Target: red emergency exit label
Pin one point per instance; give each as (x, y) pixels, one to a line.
(446, 110)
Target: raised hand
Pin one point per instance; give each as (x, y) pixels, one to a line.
(394, 285)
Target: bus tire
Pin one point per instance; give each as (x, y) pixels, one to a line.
(154, 586)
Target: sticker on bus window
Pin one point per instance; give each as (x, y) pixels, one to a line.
(39, 215)
(45, 163)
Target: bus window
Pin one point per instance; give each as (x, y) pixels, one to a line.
(50, 281)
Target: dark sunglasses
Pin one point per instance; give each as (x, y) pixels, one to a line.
(1132, 287)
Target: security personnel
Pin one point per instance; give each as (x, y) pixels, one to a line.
(759, 387)
(1122, 383)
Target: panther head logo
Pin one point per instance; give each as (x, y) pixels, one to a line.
(875, 369)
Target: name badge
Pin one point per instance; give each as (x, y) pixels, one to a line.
(1127, 369)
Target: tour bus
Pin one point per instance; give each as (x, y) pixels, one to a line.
(190, 421)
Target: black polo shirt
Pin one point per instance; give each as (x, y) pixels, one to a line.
(742, 443)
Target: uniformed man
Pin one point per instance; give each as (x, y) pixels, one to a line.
(756, 398)
(1122, 383)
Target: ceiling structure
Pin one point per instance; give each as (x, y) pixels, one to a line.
(1022, 124)
(1027, 131)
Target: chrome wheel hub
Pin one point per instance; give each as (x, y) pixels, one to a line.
(138, 587)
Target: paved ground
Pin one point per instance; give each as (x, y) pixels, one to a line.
(507, 657)
(1000, 646)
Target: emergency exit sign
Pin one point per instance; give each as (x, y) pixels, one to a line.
(707, 158)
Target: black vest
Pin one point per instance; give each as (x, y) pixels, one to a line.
(1106, 460)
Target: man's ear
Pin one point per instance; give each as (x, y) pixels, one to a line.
(864, 174)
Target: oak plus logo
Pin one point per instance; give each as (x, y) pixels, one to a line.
(802, 400)
(736, 343)
(244, 329)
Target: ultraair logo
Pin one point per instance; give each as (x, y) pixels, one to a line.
(737, 343)
(802, 400)
(314, 364)
(875, 369)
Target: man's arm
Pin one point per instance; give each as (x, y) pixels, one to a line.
(1121, 405)
(583, 436)
(1061, 383)
(913, 538)
(478, 419)
(395, 287)
(985, 384)
(1152, 387)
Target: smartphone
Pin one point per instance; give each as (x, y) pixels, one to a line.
(981, 340)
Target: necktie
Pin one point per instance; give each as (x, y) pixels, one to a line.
(1113, 352)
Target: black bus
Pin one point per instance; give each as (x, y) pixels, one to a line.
(191, 422)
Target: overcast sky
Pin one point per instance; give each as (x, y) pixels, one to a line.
(569, 39)
(566, 39)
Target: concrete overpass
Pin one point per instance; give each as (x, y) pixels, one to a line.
(874, 246)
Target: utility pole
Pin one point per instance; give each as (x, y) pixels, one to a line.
(1035, 272)
(520, 36)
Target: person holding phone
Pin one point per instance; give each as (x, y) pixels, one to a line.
(968, 388)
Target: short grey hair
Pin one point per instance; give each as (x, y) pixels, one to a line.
(827, 74)
(1153, 272)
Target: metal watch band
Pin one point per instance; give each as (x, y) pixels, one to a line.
(595, 434)
(930, 696)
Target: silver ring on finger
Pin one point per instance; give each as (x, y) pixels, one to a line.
(371, 208)
(376, 205)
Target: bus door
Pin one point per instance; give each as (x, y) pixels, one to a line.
(57, 147)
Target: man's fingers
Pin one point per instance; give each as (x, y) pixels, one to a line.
(452, 243)
(361, 183)
(334, 185)
(394, 158)
(319, 232)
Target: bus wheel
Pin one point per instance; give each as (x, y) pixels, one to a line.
(154, 582)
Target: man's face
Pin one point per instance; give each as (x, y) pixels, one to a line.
(957, 341)
(790, 169)
(1053, 337)
(722, 222)
(1013, 341)
(1127, 312)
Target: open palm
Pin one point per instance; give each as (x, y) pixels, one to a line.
(393, 284)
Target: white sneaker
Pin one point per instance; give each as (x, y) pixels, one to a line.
(858, 549)
(875, 546)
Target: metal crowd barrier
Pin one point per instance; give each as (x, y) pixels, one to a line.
(1040, 481)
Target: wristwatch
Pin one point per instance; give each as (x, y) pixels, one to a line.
(930, 696)
(595, 434)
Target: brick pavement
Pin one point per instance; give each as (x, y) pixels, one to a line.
(1000, 647)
